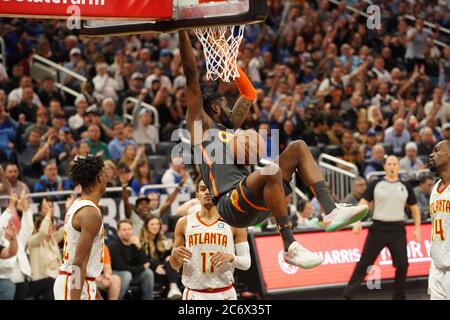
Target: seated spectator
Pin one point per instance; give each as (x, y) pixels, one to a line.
(41, 123)
(423, 192)
(48, 92)
(427, 142)
(318, 135)
(18, 268)
(108, 281)
(64, 149)
(30, 158)
(13, 183)
(132, 155)
(77, 120)
(109, 116)
(83, 149)
(92, 117)
(54, 109)
(130, 263)
(381, 73)
(158, 74)
(45, 256)
(144, 131)
(336, 132)
(7, 287)
(158, 250)
(146, 205)
(358, 188)
(26, 109)
(142, 176)
(371, 141)
(96, 146)
(8, 129)
(397, 136)
(437, 107)
(349, 147)
(288, 134)
(105, 86)
(304, 216)
(51, 181)
(383, 100)
(446, 131)
(77, 65)
(119, 143)
(111, 174)
(16, 95)
(410, 162)
(376, 162)
(175, 174)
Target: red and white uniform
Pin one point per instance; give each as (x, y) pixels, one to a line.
(94, 268)
(439, 279)
(202, 281)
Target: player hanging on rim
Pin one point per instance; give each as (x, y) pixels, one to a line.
(83, 234)
(205, 246)
(242, 198)
(439, 279)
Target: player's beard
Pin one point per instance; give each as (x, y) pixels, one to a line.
(432, 166)
(225, 120)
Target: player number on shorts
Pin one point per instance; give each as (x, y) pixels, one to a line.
(205, 256)
(438, 229)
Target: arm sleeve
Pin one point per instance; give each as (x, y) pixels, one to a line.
(242, 260)
(411, 200)
(368, 193)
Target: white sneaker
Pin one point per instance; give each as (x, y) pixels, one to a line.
(301, 257)
(174, 294)
(343, 215)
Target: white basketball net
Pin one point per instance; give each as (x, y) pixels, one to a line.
(221, 47)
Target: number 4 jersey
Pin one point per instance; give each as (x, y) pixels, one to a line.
(204, 241)
(440, 218)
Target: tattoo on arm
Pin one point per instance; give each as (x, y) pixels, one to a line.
(240, 111)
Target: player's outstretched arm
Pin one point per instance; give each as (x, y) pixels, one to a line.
(193, 94)
(245, 101)
(90, 222)
(179, 252)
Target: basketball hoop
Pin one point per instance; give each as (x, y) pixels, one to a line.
(221, 47)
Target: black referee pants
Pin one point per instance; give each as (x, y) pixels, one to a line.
(382, 234)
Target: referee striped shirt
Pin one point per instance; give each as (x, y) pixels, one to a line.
(389, 199)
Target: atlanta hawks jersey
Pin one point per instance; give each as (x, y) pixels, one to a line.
(71, 237)
(440, 218)
(204, 241)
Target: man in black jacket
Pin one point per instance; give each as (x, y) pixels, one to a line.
(129, 262)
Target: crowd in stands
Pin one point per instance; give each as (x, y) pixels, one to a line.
(321, 75)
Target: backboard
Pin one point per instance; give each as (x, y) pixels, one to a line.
(186, 14)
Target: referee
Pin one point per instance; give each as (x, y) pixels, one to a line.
(389, 196)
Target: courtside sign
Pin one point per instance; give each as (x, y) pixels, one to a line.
(341, 251)
(88, 9)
